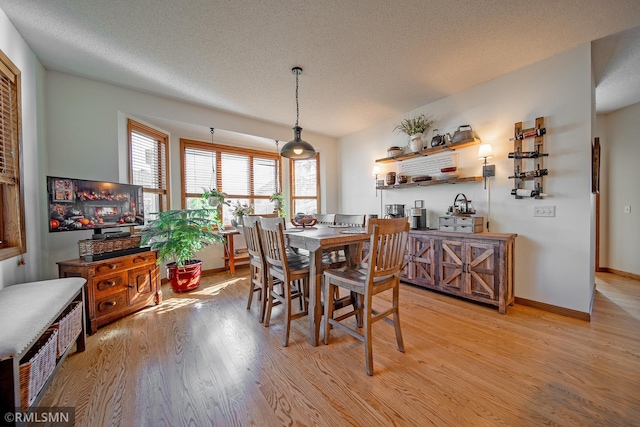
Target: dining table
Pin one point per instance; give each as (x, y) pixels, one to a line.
(316, 240)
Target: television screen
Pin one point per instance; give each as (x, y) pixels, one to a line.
(80, 204)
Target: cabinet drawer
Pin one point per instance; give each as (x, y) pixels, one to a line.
(447, 227)
(469, 220)
(477, 228)
(118, 264)
(107, 285)
(447, 220)
(113, 303)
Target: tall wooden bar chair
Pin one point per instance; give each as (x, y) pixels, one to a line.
(257, 263)
(291, 269)
(387, 248)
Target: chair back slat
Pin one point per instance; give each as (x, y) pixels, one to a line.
(326, 219)
(273, 241)
(351, 220)
(252, 237)
(388, 245)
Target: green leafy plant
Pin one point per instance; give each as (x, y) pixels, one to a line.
(241, 209)
(178, 234)
(418, 124)
(278, 199)
(214, 193)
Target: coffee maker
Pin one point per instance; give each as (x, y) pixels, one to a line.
(394, 211)
(418, 218)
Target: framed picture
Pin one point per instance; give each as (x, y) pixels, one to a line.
(595, 166)
(64, 190)
(418, 204)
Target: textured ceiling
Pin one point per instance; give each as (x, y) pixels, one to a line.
(364, 60)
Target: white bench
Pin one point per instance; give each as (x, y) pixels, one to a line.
(26, 311)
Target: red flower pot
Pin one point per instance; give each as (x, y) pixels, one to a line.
(185, 278)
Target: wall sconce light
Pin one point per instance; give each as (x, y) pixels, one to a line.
(486, 152)
(375, 172)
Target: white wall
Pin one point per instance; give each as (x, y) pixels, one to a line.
(554, 262)
(87, 139)
(619, 187)
(34, 153)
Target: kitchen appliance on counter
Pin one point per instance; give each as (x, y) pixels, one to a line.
(418, 218)
(394, 211)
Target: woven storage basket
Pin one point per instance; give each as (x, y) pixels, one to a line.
(69, 326)
(97, 247)
(40, 363)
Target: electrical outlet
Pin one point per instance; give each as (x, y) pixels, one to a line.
(627, 209)
(547, 211)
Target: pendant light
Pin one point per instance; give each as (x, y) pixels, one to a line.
(297, 148)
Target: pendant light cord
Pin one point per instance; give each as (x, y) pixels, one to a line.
(297, 106)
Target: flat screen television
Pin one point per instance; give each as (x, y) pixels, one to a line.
(80, 204)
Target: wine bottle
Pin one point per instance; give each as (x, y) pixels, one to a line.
(529, 134)
(530, 174)
(521, 192)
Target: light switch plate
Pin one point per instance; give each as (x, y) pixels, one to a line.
(627, 209)
(546, 211)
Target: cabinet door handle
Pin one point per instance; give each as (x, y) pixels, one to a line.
(108, 283)
(140, 259)
(464, 269)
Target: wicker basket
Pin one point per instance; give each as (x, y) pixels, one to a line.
(97, 247)
(40, 363)
(69, 326)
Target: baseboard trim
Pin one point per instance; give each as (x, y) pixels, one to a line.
(620, 273)
(554, 309)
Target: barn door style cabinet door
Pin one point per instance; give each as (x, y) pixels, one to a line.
(478, 266)
(420, 268)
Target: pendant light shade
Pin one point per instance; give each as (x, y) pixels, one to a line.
(297, 148)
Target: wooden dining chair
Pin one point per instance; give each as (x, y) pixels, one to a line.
(325, 219)
(257, 263)
(290, 269)
(351, 220)
(387, 248)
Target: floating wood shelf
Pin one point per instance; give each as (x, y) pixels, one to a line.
(428, 152)
(431, 182)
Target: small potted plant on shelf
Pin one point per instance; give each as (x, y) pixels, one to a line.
(240, 210)
(278, 200)
(177, 235)
(415, 128)
(214, 196)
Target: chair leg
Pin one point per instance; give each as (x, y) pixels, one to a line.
(368, 347)
(329, 290)
(269, 301)
(252, 285)
(264, 293)
(396, 318)
(287, 313)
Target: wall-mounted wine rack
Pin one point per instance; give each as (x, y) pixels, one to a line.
(528, 166)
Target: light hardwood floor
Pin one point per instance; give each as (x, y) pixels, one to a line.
(202, 359)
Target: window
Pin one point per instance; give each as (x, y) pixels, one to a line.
(149, 165)
(305, 190)
(246, 176)
(12, 229)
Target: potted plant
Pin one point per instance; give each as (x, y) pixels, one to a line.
(177, 235)
(278, 200)
(414, 128)
(214, 196)
(240, 210)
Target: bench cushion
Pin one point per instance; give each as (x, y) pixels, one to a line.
(27, 310)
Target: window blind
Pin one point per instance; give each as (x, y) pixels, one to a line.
(148, 157)
(199, 165)
(8, 129)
